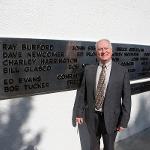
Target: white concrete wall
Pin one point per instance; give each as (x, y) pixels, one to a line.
(45, 120)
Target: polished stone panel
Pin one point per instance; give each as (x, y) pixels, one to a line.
(36, 66)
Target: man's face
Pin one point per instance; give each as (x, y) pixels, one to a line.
(103, 51)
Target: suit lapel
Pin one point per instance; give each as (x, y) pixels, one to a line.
(94, 76)
(112, 76)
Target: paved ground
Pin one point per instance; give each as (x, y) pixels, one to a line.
(139, 141)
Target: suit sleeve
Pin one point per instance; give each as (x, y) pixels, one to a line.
(126, 101)
(80, 98)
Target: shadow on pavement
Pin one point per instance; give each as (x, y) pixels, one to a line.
(11, 136)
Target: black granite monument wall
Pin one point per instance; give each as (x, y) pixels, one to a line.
(36, 66)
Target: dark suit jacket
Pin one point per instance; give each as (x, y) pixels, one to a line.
(117, 103)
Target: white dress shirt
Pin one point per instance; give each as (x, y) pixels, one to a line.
(108, 70)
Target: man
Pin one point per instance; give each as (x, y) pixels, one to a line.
(103, 101)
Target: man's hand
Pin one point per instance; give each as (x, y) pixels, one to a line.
(79, 120)
(120, 129)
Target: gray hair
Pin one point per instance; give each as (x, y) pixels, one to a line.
(106, 40)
